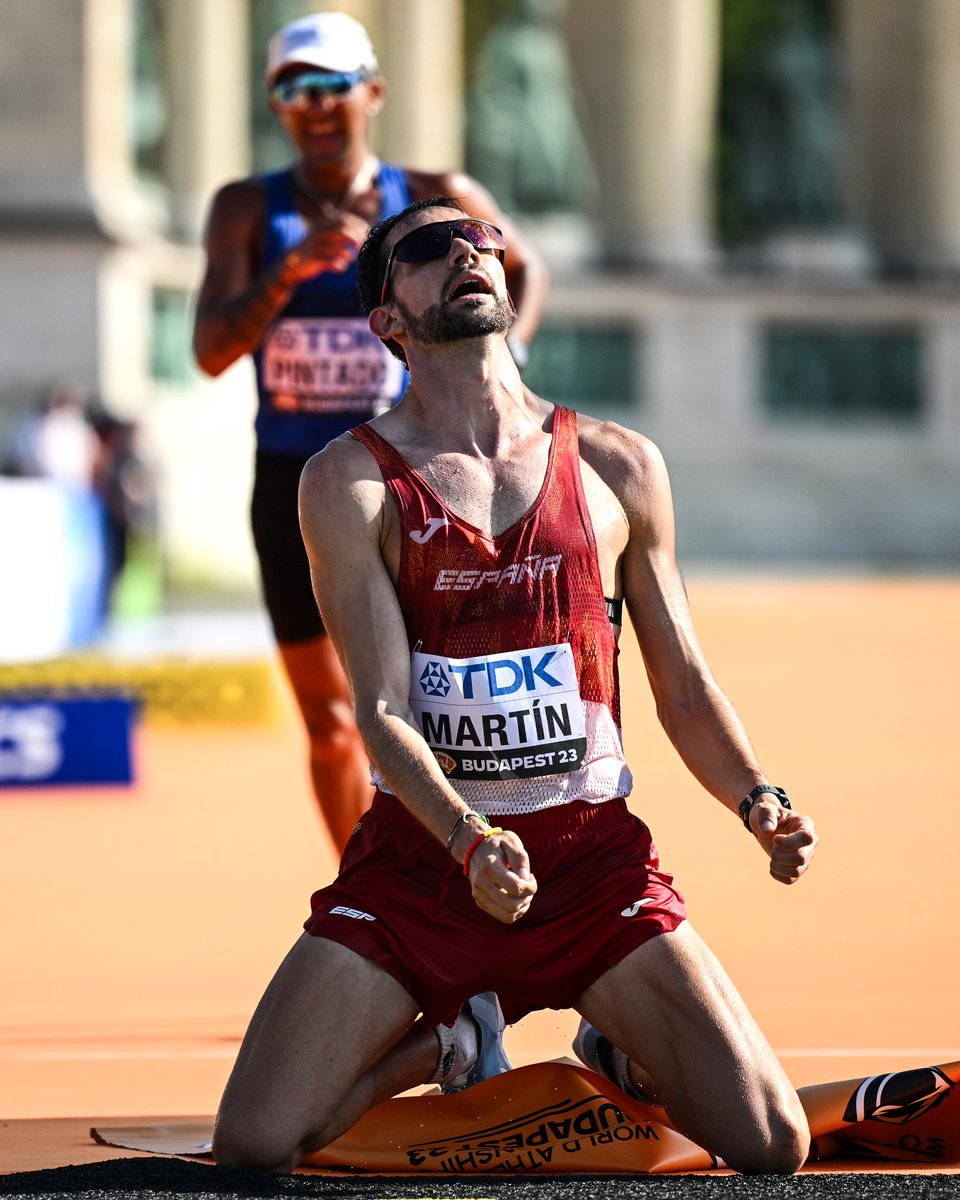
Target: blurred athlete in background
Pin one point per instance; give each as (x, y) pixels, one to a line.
(280, 284)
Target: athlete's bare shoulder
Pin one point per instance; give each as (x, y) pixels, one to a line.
(340, 467)
(242, 191)
(471, 194)
(343, 497)
(237, 209)
(423, 184)
(632, 467)
(629, 463)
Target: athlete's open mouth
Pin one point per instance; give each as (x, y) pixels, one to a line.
(472, 285)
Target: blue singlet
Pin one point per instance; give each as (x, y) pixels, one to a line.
(320, 371)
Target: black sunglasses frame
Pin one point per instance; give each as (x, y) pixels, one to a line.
(459, 225)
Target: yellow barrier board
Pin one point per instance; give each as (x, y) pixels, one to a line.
(178, 689)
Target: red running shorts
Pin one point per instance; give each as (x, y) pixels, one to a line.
(403, 902)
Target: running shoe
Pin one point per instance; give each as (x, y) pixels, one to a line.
(601, 1055)
(492, 1060)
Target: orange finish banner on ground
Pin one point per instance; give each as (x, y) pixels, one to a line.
(556, 1118)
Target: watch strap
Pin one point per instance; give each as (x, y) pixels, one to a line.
(745, 807)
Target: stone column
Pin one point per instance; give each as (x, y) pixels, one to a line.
(942, 250)
(420, 51)
(66, 188)
(59, 141)
(648, 71)
(941, 136)
(886, 163)
(207, 140)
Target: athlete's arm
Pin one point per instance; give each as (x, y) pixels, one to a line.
(525, 270)
(346, 519)
(697, 716)
(237, 300)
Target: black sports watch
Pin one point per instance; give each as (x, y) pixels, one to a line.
(745, 807)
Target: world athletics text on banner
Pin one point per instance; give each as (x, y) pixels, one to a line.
(557, 1118)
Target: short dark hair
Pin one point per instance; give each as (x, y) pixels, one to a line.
(371, 261)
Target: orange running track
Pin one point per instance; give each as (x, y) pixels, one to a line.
(141, 925)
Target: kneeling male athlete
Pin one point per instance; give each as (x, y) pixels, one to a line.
(470, 550)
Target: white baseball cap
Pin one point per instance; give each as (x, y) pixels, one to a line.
(330, 40)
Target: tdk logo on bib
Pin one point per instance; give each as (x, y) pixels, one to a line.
(501, 716)
(434, 680)
(493, 677)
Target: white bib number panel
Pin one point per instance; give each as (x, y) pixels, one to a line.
(329, 364)
(514, 715)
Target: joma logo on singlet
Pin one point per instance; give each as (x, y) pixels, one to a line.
(421, 536)
(535, 566)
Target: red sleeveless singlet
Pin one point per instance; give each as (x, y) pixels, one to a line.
(514, 679)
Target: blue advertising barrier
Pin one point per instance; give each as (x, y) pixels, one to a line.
(46, 741)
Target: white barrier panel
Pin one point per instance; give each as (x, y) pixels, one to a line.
(51, 569)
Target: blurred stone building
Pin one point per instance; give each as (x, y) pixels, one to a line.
(751, 209)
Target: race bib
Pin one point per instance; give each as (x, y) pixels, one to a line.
(329, 364)
(501, 716)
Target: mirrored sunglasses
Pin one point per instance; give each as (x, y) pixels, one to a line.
(300, 91)
(433, 241)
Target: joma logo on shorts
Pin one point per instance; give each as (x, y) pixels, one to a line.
(342, 911)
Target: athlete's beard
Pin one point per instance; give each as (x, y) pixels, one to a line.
(439, 324)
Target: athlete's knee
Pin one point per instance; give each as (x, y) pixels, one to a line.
(252, 1145)
(256, 1145)
(330, 726)
(780, 1148)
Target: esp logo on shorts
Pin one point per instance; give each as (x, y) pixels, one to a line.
(343, 911)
